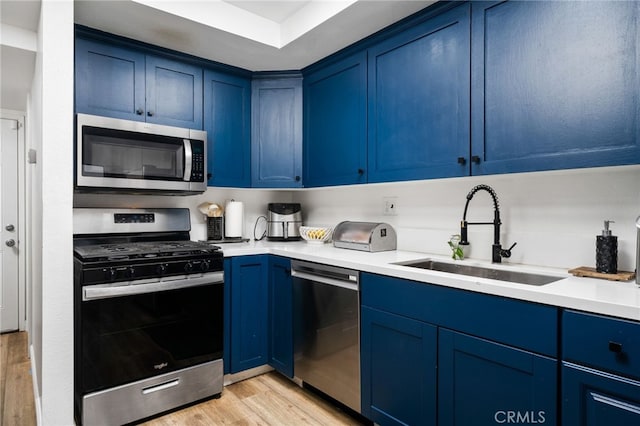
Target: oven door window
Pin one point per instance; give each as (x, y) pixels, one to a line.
(125, 339)
(131, 155)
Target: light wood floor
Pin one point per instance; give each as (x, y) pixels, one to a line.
(269, 399)
(17, 405)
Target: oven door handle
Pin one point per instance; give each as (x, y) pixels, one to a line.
(102, 291)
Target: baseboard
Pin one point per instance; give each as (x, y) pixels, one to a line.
(246, 374)
(36, 393)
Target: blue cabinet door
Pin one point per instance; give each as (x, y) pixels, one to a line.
(419, 101)
(335, 123)
(555, 85)
(276, 134)
(226, 351)
(109, 80)
(280, 315)
(174, 93)
(594, 398)
(486, 383)
(227, 120)
(398, 366)
(249, 293)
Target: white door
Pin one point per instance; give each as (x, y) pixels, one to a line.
(9, 300)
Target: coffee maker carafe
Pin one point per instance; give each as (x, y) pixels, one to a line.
(283, 221)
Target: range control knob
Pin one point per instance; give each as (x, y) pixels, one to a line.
(111, 274)
(188, 267)
(204, 266)
(130, 272)
(162, 269)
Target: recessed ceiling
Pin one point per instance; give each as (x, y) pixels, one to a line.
(254, 35)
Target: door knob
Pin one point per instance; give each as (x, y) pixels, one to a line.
(10, 243)
(9, 227)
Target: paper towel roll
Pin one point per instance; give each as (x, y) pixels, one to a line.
(234, 219)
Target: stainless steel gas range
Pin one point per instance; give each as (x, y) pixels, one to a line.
(148, 314)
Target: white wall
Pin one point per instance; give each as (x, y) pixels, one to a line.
(51, 134)
(553, 216)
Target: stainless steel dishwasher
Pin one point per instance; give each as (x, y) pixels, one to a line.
(326, 326)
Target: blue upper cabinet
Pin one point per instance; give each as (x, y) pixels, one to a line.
(110, 81)
(335, 123)
(276, 135)
(418, 95)
(554, 85)
(120, 82)
(174, 93)
(227, 120)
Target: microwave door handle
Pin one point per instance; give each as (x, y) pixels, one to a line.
(188, 160)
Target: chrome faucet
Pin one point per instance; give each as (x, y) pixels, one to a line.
(497, 252)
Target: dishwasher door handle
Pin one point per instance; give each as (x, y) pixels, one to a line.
(325, 280)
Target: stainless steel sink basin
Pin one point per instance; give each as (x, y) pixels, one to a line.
(481, 272)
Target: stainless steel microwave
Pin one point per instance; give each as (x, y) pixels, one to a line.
(117, 155)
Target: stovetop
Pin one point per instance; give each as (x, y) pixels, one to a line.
(143, 250)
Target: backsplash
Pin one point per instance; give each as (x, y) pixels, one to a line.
(255, 204)
(553, 216)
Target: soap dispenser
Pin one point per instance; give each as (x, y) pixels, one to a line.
(607, 251)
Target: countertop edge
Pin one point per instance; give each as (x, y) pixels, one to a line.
(612, 298)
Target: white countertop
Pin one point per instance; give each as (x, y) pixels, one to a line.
(619, 299)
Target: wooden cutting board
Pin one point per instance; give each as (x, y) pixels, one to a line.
(585, 271)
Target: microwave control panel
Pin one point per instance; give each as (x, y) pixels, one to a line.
(198, 166)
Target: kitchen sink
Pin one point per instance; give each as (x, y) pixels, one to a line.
(482, 272)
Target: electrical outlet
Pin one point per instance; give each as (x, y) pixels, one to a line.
(390, 206)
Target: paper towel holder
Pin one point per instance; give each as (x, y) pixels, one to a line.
(234, 219)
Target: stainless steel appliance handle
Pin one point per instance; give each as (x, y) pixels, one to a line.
(162, 386)
(349, 285)
(102, 291)
(188, 160)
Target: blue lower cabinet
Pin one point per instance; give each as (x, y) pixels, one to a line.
(248, 316)
(280, 315)
(486, 383)
(226, 352)
(398, 369)
(594, 398)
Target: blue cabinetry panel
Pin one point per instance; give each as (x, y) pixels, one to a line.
(398, 369)
(601, 342)
(120, 82)
(226, 353)
(419, 100)
(555, 85)
(280, 315)
(594, 398)
(276, 135)
(517, 323)
(227, 120)
(335, 123)
(174, 93)
(109, 80)
(249, 327)
(485, 383)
